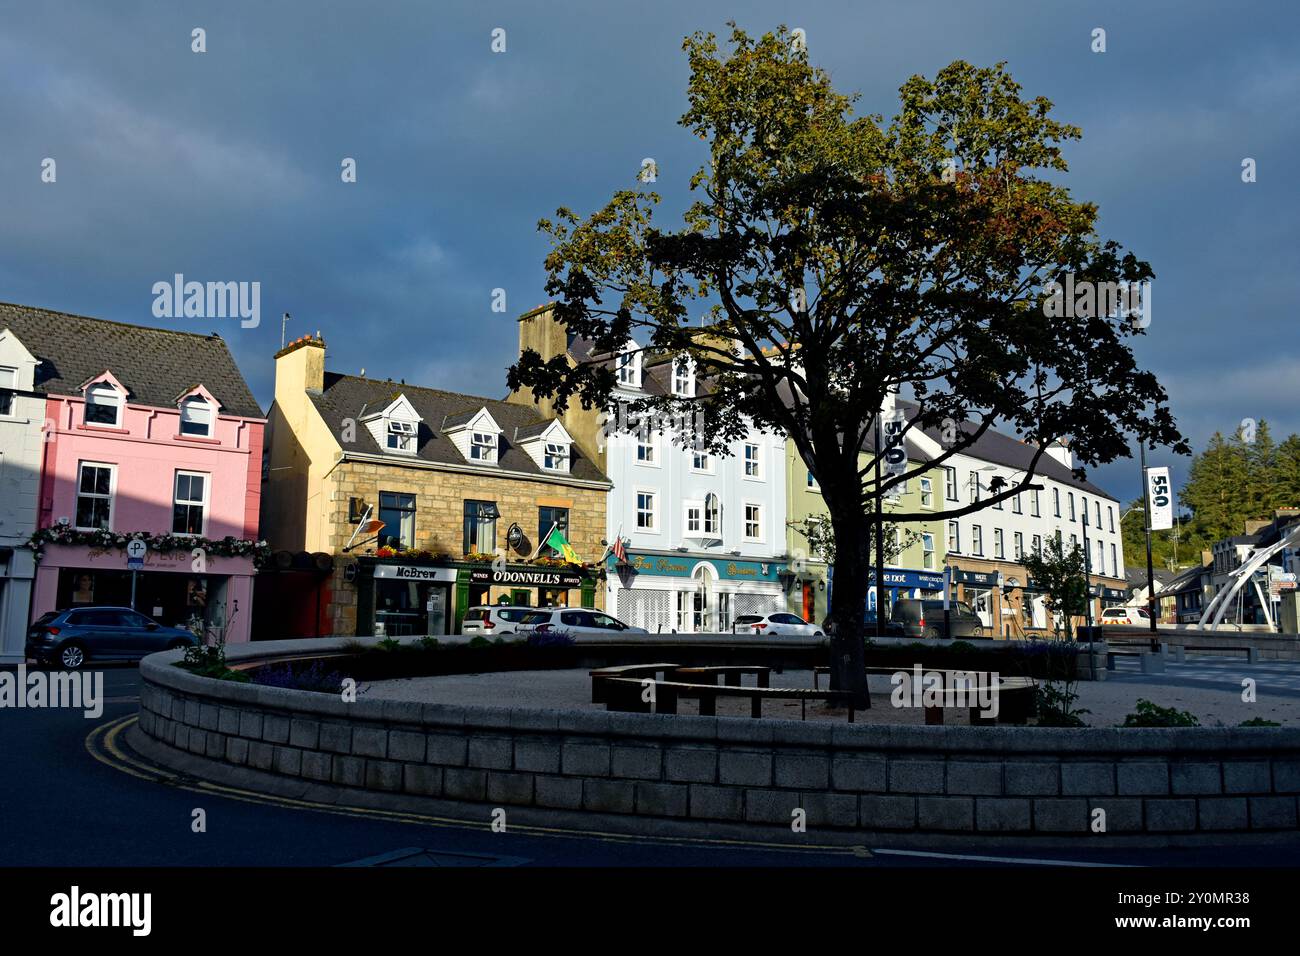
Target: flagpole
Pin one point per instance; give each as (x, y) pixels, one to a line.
(610, 546)
(546, 537)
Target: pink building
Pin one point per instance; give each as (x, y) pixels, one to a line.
(152, 436)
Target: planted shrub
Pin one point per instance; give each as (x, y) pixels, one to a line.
(479, 641)
(1259, 722)
(429, 643)
(550, 639)
(1153, 715)
(209, 660)
(389, 644)
(1056, 706)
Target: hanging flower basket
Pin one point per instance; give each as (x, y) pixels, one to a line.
(227, 547)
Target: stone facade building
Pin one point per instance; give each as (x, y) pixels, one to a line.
(468, 490)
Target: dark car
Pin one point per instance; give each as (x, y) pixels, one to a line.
(925, 619)
(72, 637)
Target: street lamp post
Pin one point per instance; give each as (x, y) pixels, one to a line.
(1087, 574)
(880, 539)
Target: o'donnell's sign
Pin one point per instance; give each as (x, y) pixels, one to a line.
(527, 577)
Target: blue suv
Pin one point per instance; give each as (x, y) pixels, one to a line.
(72, 637)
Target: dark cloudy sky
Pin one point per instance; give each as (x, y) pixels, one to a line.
(225, 165)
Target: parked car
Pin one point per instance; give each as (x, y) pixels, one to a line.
(575, 621)
(70, 638)
(776, 625)
(1126, 615)
(494, 620)
(918, 618)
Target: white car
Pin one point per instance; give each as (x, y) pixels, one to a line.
(1126, 615)
(575, 621)
(780, 624)
(494, 620)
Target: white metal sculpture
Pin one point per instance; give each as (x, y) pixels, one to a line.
(1218, 606)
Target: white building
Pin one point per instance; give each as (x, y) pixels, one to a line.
(984, 548)
(22, 418)
(705, 535)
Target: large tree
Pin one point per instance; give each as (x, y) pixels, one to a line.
(832, 260)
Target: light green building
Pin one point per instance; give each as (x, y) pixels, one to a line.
(914, 570)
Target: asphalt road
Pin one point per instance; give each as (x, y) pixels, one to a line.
(62, 807)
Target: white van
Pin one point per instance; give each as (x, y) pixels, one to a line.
(493, 620)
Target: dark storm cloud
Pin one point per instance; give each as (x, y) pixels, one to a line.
(225, 165)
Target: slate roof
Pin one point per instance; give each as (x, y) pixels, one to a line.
(344, 395)
(1137, 577)
(156, 365)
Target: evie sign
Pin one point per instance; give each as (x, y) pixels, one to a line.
(1161, 497)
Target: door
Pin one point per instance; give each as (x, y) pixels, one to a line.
(578, 623)
(140, 635)
(810, 602)
(604, 622)
(101, 632)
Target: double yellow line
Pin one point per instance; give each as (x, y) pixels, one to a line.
(104, 744)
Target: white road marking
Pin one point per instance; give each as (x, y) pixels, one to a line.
(975, 858)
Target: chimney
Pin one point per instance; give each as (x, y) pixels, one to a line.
(300, 365)
(539, 331)
(1060, 450)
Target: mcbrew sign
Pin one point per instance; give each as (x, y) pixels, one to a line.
(536, 579)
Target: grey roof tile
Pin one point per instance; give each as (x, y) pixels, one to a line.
(344, 395)
(156, 365)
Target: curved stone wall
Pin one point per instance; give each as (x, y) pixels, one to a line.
(956, 780)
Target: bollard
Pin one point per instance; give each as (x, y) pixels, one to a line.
(1153, 663)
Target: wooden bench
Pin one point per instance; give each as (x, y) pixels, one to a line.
(601, 675)
(731, 674)
(627, 694)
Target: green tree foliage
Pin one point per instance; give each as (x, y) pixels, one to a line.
(1059, 572)
(1245, 476)
(831, 260)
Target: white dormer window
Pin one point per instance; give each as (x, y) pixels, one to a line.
(556, 456)
(401, 435)
(8, 385)
(103, 406)
(483, 447)
(683, 378)
(196, 418)
(628, 366)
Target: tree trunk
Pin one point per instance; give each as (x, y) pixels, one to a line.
(849, 606)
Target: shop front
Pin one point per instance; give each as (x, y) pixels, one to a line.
(413, 599)
(982, 590)
(903, 584)
(207, 594)
(691, 594)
